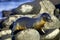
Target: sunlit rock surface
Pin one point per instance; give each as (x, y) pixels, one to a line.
(29, 34)
(47, 6)
(5, 35)
(53, 34)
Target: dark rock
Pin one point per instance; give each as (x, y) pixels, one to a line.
(35, 10)
(6, 13)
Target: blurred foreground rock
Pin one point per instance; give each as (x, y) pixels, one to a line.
(53, 34)
(5, 35)
(29, 34)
